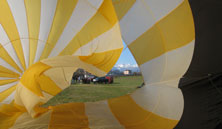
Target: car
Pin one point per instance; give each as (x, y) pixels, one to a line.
(106, 79)
(100, 80)
(110, 79)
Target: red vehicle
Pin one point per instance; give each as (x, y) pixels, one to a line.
(110, 79)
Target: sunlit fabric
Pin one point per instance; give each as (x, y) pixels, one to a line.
(42, 42)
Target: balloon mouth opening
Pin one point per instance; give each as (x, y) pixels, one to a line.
(85, 87)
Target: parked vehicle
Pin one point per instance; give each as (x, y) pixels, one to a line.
(107, 79)
(88, 80)
(110, 79)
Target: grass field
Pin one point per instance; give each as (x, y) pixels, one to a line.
(95, 92)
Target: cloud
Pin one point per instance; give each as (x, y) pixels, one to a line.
(122, 67)
(126, 65)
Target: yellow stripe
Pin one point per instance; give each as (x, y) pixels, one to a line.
(8, 23)
(26, 99)
(25, 122)
(104, 60)
(7, 75)
(148, 46)
(172, 32)
(8, 115)
(39, 110)
(5, 56)
(19, 107)
(30, 76)
(122, 7)
(47, 85)
(8, 72)
(3, 82)
(7, 121)
(8, 109)
(75, 117)
(102, 21)
(63, 13)
(33, 11)
(6, 93)
(132, 116)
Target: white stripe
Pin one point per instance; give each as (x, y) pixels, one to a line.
(25, 47)
(143, 15)
(111, 40)
(137, 21)
(19, 13)
(7, 86)
(169, 66)
(3, 36)
(95, 3)
(48, 8)
(162, 76)
(9, 99)
(161, 8)
(6, 78)
(80, 16)
(100, 116)
(58, 77)
(25, 121)
(47, 97)
(68, 73)
(161, 100)
(11, 51)
(73, 61)
(5, 42)
(178, 61)
(152, 70)
(8, 66)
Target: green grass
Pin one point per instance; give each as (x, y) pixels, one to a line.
(95, 92)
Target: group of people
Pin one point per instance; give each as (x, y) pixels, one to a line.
(76, 79)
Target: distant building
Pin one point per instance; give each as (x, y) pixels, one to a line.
(127, 72)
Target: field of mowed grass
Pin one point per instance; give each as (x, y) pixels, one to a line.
(96, 92)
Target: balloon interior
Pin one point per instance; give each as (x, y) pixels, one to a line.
(176, 43)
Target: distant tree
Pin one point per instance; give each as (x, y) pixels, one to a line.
(79, 72)
(135, 73)
(115, 72)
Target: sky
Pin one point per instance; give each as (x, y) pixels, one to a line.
(126, 57)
